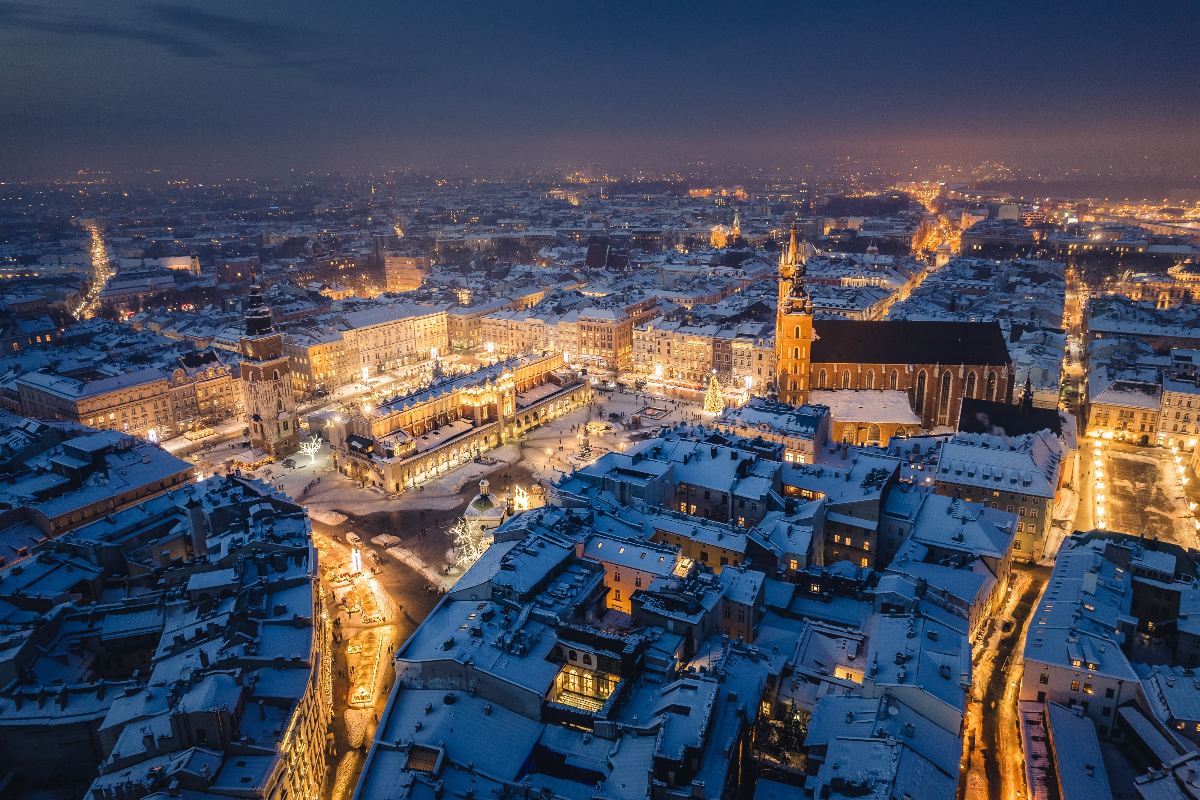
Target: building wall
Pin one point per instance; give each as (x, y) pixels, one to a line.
(709, 553)
(50, 755)
(137, 409)
(404, 273)
(935, 391)
(1098, 694)
(1034, 514)
(1123, 422)
(793, 353)
(1179, 419)
(318, 366)
(396, 343)
(606, 344)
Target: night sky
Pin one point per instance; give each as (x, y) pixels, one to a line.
(216, 87)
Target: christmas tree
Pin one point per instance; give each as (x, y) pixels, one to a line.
(713, 404)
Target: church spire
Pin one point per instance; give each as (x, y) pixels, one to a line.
(793, 325)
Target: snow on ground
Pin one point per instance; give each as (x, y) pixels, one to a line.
(546, 453)
(330, 518)
(427, 571)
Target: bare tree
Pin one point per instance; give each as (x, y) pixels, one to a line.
(310, 447)
(467, 546)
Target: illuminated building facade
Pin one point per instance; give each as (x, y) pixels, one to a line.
(404, 273)
(413, 438)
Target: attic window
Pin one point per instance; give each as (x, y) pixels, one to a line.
(599, 545)
(620, 550)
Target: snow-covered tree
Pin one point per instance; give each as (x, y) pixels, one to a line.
(713, 403)
(310, 447)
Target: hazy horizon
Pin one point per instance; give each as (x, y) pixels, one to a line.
(215, 89)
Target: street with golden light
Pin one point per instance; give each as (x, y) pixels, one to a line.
(102, 272)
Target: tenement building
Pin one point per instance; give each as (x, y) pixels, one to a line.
(173, 649)
(618, 649)
(59, 476)
(936, 364)
(410, 439)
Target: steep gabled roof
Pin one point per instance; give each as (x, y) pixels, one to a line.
(909, 342)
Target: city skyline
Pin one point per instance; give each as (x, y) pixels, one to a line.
(581, 401)
(215, 89)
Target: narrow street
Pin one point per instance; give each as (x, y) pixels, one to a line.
(364, 640)
(994, 761)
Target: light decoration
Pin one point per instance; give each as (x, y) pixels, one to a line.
(310, 447)
(713, 403)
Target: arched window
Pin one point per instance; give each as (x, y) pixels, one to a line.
(919, 394)
(797, 336)
(845, 379)
(821, 378)
(873, 434)
(275, 375)
(796, 353)
(895, 379)
(870, 383)
(944, 394)
(991, 386)
(970, 390)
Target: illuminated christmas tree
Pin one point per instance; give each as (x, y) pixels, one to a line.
(713, 404)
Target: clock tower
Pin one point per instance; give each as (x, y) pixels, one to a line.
(267, 382)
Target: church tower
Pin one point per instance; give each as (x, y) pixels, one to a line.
(735, 231)
(267, 382)
(793, 327)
